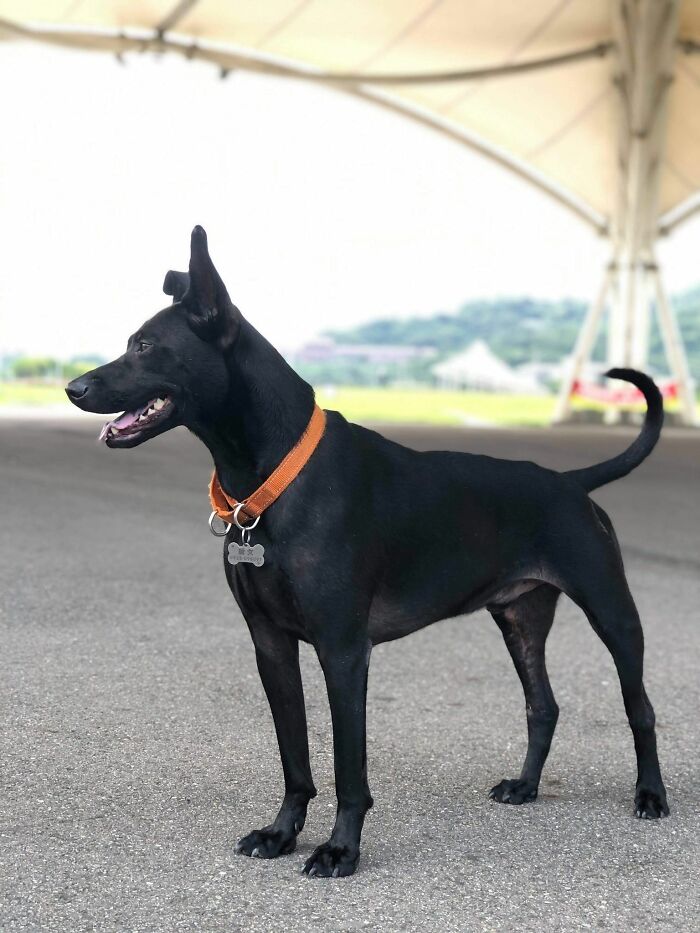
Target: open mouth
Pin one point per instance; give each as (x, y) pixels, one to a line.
(132, 423)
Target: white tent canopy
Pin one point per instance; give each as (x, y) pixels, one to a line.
(478, 367)
(595, 102)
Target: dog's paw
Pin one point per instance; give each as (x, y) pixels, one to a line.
(650, 804)
(515, 791)
(329, 861)
(266, 843)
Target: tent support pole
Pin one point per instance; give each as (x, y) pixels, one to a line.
(584, 344)
(642, 332)
(646, 41)
(673, 345)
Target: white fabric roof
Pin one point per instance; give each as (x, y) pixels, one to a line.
(479, 366)
(556, 124)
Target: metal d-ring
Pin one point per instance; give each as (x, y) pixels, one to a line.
(218, 534)
(238, 524)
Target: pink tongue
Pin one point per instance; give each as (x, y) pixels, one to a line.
(123, 421)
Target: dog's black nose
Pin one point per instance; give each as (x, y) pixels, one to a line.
(77, 389)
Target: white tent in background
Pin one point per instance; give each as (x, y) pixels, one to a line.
(594, 102)
(478, 367)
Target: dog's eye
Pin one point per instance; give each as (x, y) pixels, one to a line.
(142, 346)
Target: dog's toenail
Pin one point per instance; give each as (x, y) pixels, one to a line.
(336, 872)
(312, 871)
(255, 852)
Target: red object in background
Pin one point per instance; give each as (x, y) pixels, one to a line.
(625, 395)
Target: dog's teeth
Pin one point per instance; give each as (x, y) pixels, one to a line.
(158, 404)
(142, 417)
(151, 411)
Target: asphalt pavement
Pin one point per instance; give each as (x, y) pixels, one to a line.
(137, 745)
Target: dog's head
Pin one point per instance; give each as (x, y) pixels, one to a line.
(174, 368)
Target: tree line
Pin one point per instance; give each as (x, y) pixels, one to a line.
(519, 330)
(47, 368)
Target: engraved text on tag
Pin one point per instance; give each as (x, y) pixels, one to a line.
(246, 554)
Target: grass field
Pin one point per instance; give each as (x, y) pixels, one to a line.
(437, 406)
(366, 405)
(31, 394)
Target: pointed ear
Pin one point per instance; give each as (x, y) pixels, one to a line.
(213, 316)
(176, 284)
(203, 276)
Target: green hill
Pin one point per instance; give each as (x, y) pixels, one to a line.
(517, 329)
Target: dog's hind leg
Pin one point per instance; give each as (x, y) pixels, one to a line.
(277, 655)
(605, 598)
(525, 624)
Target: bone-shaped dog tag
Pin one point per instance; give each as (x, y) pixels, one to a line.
(245, 554)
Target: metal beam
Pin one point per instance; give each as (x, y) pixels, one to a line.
(678, 215)
(673, 346)
(240, 58)
(600, 50)
(584, 344)
(182, 8)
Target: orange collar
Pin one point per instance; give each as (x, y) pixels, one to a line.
(273, 487)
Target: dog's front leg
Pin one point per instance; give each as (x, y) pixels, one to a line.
(277, 655)
(345, 665)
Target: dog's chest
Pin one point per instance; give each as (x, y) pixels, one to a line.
(265, 595)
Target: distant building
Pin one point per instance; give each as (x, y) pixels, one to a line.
(326, 350)
(478, 367)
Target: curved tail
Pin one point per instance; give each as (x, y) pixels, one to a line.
(601, 473)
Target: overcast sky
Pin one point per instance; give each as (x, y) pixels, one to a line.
(321, 210)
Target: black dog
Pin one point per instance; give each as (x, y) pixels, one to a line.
(341, 568)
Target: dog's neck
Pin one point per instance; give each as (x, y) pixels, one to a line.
(267, 410)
